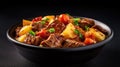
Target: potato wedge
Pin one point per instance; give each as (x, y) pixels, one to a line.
(25, 29)
(21, 38)
(99, 36)
(26, 22)
(69, 31)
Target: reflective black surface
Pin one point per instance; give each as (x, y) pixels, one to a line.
(109, 56)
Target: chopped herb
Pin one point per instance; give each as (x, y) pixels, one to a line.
(43, 22)
(32, 33)
(51, 30)
(45, 19)
(80, 35)
(76, 21)
(86, 28)
(76, 31)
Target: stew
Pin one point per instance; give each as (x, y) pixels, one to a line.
(60, 31)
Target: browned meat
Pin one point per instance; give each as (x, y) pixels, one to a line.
(17, 31)
(59, 27)
(100, 29)
(72, 43)
(86, 22)
(54, 40)
(82, 32)
(80, 29)
(33, 40)
(36, 26)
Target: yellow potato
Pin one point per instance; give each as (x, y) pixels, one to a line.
(21, 38)
(69, 31)
(99, 36)
(50, 18)
(25, 29)
(26, 22)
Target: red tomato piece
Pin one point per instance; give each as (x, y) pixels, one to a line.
(43, 34)
(89, 35)
(89, 41)
(37, 19)
(64, 18)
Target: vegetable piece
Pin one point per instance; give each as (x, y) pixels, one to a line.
(78, 33)
(37, 19)
(69, 31)
(89, 41)
(24, 30)
(26, 22)
(51, 30)
(90, 34)
(43, 22)
(45, 19)
(64, 18)
(86, 28)
(50, 18)
(76, 21)
(99, 36)
(95, 34)
(21, 38)
(32, 33)
(42, 33)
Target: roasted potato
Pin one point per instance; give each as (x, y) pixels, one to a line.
(21, 38)
(69, 31)
(26, 22)
(94, 33)
(25, 29)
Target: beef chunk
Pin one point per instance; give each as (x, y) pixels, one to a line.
(33, 40)
(54, 41)
(36, 26)
(100, 29)
(59, 27)
(86, 22)
(17, 31)
(72, 43)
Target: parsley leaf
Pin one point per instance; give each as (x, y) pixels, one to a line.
(32, 33)
(51, 30)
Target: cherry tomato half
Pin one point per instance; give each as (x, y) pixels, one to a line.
(64, 18)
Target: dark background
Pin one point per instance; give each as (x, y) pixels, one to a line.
(105, 11)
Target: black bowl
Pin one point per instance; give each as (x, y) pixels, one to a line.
(43, 55)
